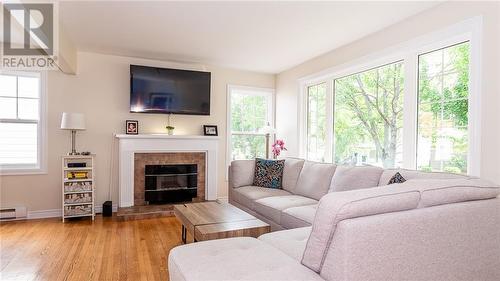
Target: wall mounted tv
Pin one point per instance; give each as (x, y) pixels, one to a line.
(164, 90)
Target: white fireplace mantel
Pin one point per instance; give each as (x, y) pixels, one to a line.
(157, 143)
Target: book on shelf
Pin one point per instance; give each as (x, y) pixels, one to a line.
(77, 175)
(77, 165)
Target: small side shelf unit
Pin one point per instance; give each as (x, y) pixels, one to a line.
(78, 185)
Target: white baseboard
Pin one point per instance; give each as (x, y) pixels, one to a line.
(57, 213)
(43, 214)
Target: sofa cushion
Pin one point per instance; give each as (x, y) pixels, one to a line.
(298, 216)
(439, 192)
(246, 195)
(241, 173)
(349, 178)
(268, 173)
(337, 206)
(412, 174)
(314, 179)
(241, 258)
(271, 207)
(291, 242)
(291, 173)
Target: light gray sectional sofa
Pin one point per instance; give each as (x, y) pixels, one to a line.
(304, 184)
(432, 227)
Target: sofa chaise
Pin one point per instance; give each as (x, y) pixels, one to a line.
(431, 227)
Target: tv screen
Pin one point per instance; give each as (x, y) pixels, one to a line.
(164, 90)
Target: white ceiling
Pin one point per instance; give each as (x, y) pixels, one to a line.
(258, 36)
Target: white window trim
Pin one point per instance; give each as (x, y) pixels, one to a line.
(271, 111)
(41, 166)
(467, 30)
(329, 118)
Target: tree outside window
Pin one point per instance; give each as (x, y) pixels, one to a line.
(443, 110)
(368, 117)
(368, 114)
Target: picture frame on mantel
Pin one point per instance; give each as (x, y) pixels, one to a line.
(210, 130)
(132, 127)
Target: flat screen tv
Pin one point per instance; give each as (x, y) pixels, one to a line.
(164, 90)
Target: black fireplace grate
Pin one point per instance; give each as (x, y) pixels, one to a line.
(170, 183)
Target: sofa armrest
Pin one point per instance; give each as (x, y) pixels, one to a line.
(241, 173)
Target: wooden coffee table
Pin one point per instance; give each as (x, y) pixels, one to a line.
(215, 220)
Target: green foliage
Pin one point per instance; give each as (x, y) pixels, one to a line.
(443, 100)
(248, 146)
(426, 169)
(457, 164)
(454, 83)
(368, 115)
(248, 113)
(452, 169)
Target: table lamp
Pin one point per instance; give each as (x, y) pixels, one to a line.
(74, 122)
(267, 131)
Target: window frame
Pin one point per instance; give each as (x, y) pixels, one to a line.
(269, 93)
(469, 30)
(389, 61)
(329, 118)
(41, 166)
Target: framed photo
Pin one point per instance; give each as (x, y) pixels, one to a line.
(210, 130)
(132, 127)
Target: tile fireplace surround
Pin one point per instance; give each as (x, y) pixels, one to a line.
(134, 148)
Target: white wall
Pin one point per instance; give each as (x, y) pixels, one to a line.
(442, 16)
(100, 90)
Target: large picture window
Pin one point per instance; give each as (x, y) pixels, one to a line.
(443, 95)
(411, 111)
(368, 117)
(250, 109)
(20, 122)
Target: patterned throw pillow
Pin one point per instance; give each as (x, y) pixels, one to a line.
(397, 178)
(268, 173)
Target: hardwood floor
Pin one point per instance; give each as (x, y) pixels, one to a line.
(106, 249)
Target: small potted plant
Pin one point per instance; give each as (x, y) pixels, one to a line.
(170, 129)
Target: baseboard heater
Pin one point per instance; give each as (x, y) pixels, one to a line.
(13, 213)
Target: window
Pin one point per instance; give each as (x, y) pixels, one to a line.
(316, 122)
(416, 106)
(368, 117)
(443, 95)
(20, 122)
(250, 109)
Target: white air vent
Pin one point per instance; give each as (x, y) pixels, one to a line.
(12, 213)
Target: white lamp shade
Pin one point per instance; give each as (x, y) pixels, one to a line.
(72, 121)
(268, 130)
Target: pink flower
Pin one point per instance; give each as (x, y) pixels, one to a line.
(278, 146)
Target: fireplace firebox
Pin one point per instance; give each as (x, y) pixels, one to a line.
(170, 183)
